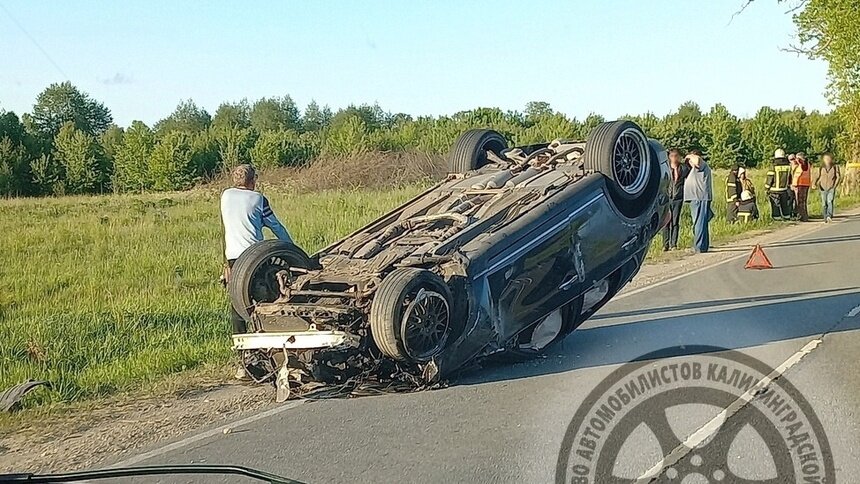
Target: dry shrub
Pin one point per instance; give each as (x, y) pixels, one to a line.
(369, 170)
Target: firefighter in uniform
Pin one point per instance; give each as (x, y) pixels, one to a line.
(747, 208)
(733, 193)
(778, 186)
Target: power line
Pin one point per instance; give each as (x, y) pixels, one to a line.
(24, 31)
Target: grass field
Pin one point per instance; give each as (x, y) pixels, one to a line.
(106, 294)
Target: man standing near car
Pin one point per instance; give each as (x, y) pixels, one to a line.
(244, 213)
(827, 181)
(698, 190)
(678, 173)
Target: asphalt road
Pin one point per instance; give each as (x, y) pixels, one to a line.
(507, 424)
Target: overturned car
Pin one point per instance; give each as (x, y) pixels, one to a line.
(508, 255)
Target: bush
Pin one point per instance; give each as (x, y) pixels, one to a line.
(83, 166)
(171, 164)
(283, 148)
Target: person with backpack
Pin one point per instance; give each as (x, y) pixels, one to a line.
(800, 182)
(826, 182)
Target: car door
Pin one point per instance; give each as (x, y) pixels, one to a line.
(547, 272)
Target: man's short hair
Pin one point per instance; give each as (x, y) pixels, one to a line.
(696, 151)
(244, 175)
(674, 150)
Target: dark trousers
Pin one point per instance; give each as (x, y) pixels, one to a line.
(731, 211)
(749, 207)
(238, 321)
(670, 230)
(800, 204)
(780, 205)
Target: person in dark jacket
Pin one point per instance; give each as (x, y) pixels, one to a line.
(733, 194)
(678, 173)
(778, 186)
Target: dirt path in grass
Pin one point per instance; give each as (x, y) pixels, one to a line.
(84, 436)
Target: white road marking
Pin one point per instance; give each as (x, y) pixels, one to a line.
(853, 312)
(710, 428)
(205, 435)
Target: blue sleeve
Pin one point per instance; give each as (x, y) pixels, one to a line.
(271, 221)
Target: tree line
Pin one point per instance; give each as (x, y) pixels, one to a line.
(69, 143)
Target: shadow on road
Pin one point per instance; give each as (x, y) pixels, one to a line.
(715, 303)
(783, 317)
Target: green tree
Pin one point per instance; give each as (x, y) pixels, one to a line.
(232, 116)
(47, 176)
(316, 119)
(81, 160)
(274, 113)
(721, 137)
(186, 118)
(763, 134)
(281, 148)
(829, 30)
(14, 168)
(171, 163)
(234, 146)
(349, 136)
(64, 103)
(131, 161)
(682, 129)
(110, 141)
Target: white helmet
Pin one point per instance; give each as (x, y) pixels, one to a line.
(779, 153)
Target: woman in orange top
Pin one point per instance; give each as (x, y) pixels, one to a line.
(800, 181)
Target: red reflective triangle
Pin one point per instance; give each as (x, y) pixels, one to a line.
(758, 259)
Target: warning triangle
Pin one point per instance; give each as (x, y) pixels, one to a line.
(758, 259)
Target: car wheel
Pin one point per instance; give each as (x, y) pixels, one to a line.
(550, 330)
(621, 152)
(253, 278)
(470, 150)
(410, 316)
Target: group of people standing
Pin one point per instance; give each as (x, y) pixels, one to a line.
(789, 180)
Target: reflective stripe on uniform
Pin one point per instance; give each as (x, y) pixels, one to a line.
(782, 175)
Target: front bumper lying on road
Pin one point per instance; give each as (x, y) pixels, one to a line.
(293, 340)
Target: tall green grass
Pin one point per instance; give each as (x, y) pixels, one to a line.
(100, 294)
(107, 293)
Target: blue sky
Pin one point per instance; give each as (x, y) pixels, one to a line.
(611, 57)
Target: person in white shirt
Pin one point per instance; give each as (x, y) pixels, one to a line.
(244, 213)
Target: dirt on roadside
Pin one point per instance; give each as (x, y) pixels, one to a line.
(86, 437)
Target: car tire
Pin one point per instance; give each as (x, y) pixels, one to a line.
(470, 150)
(620, 151)
(569, 321)
(252, 278)
(396, 302)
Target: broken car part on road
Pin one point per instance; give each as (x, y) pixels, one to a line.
(508, 255)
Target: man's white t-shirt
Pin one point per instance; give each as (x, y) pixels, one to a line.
(244, 214)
